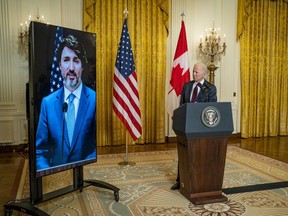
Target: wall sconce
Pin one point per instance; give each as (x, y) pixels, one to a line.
(24, 31)
(212, 48)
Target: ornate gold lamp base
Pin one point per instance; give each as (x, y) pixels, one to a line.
(212, 69)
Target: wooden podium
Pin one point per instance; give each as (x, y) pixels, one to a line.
(202, 134)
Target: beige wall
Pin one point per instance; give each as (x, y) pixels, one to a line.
(14, 63)
(199, 15)
(68, 13)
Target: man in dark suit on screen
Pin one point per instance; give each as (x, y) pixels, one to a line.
(195, 91)
(66, 130)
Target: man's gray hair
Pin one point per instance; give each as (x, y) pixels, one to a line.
(203, 66)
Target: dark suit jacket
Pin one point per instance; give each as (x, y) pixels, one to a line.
(50, 127)
(207, 94)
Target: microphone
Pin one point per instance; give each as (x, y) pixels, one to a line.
(203, 88)
(64, 107)
(64, 110)
(206, 85)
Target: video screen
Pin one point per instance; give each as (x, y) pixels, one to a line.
(62, 81)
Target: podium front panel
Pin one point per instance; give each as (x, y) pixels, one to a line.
(192, 120)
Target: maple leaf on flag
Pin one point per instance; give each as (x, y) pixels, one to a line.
(180, 72)
(175, 77)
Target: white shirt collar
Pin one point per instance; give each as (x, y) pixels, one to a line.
(76, 92)
(202, 82)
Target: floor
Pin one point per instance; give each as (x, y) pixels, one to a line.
(11, 163)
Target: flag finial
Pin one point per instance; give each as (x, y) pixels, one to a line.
(182, 14)
(126, 12)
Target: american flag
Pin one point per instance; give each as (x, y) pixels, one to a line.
(125, 87)
(56, 80)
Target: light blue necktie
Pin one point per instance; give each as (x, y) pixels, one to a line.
(70, 121)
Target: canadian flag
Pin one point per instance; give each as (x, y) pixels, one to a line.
(180, 72)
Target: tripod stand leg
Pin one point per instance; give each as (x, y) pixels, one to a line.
(105, 185)
(24, 207)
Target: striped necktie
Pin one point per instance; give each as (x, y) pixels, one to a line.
(194, 94)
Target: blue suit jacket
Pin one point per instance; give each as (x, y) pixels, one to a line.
(50, 126)
(207, 94)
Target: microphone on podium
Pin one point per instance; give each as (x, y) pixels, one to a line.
(64, 110)
(206, 85)
(203, 88)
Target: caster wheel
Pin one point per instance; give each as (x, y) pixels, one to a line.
(116, 195)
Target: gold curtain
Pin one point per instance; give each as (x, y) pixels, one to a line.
(263, 34)
(147, 25)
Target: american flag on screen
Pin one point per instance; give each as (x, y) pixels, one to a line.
(125, 87)
(56, 80)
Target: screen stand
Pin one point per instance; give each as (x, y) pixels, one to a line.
(23, 206)
(27, 207)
